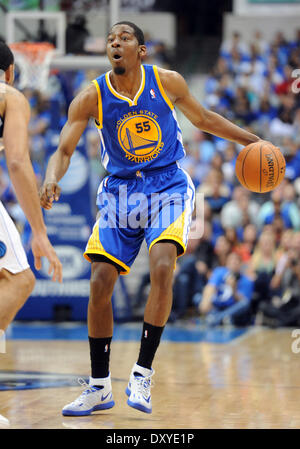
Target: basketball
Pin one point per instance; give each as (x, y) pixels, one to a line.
(260, 167)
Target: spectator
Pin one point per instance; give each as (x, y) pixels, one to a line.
(209, 215)
(241, 107)
(203, 143)
(193, 164)
(278, 227)
(264, 257)
(282, 205)
(296, 125)
(76, 35)
(227, 295)
(265, 113)
(261, 268)
(292, 157)
(228, 166)
(222, 250)
(240, 211)
(296, 42)
(249, 239)
(282, 125)
(193, 275)
(284, 310)
(234, 43)
(284, 87)
(283, 252)
(260, 44)
(232, 237)
(280, 47)
(38, 126)
(285, 243)
(215, 190)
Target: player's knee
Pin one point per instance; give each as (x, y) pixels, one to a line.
(25, 283)
(28, 282)
(162, 273)
(103, 279)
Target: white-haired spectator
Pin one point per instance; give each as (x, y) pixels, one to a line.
(240, 211)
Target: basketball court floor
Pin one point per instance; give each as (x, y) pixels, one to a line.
(206, 378)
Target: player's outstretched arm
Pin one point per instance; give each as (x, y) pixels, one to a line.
(15, 139)
(81, 109)
(177, 90)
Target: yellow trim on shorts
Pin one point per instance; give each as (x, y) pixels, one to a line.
(162, 91)
(94, 246)
(99, 124)
(169, 237)
(173, 232)
(126, 269)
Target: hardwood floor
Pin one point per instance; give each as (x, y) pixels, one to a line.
(251, 382)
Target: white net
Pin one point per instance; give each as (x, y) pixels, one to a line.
(33, 60)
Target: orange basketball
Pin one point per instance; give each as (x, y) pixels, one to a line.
(260, 167)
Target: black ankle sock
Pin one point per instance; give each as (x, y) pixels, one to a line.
(149, 344)
(99, 353)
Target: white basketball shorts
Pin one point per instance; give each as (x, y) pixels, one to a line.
(12, 254)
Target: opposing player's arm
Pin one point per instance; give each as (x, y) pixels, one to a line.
(178, 92)
(15, 140)
(80, 110)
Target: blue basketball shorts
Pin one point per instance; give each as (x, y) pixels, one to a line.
(154, 205)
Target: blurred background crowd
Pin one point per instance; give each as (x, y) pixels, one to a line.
(244, 267)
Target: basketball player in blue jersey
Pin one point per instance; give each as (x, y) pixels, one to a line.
(16, 278)
(133, 108)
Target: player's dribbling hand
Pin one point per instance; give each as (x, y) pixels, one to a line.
(41, 247)
(49, 192)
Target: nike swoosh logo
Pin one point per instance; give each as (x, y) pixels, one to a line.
(105, 397)
(147, 400)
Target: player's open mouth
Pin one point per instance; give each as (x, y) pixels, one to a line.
(117, 57)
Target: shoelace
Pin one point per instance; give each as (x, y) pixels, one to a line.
(87, 389)
(143, 385)
(83, 383)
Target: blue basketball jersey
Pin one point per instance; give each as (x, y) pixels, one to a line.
(137, 134)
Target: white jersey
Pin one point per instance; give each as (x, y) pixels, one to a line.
(12, 254)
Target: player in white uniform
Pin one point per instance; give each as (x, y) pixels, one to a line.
(16, 278)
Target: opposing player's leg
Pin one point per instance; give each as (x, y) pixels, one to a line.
(16, 279)
(15, 289)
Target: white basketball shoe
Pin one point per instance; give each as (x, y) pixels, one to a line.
(91, 399)
(138, 389)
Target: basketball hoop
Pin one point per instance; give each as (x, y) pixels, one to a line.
(33, 59)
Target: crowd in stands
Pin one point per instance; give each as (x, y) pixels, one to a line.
(245, 267)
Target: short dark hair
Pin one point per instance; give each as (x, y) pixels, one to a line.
(6, 56)
(136, 31)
